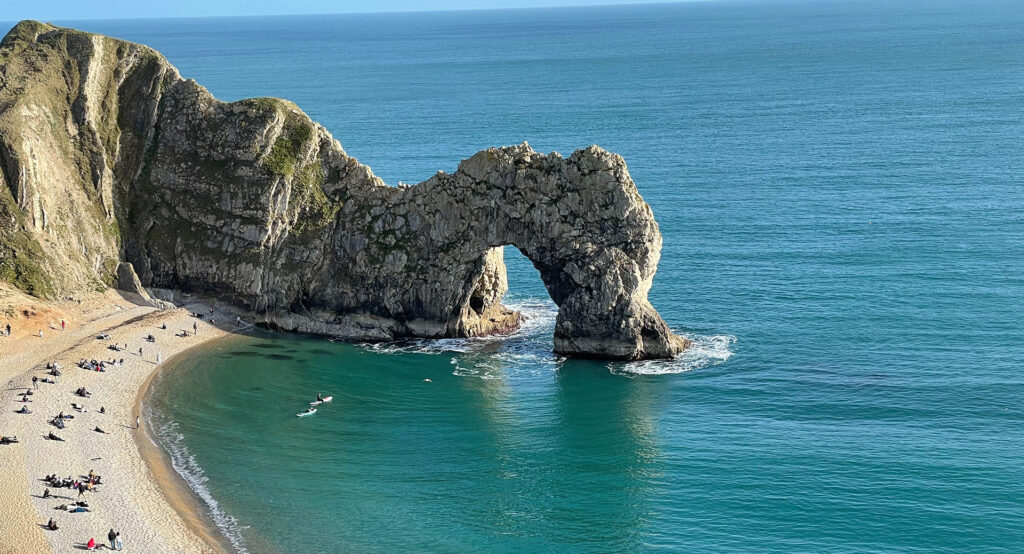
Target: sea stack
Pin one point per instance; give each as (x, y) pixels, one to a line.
(110, 157)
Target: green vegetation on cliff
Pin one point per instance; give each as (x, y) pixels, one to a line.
(21, 257)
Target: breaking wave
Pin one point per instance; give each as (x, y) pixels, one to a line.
(529, 349)
(188, 468)
(536, 329)
(706, 351)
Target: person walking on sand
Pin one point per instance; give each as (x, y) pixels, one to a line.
(136, 422)
(195, 328)
(8, 329)
(63, 326)
(159, 358)
(35, 382)
(40, 333)
(112, 537)
(140, 351)
(120, 544)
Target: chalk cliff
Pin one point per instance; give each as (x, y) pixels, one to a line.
(107, 155)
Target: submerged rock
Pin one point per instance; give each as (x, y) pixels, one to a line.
(108, 155)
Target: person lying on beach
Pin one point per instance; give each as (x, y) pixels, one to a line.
(9, 440)
(103, 336)
(53, 437)
(52, 525)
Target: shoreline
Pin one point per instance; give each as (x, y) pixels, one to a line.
(140, 494)
(178, 494)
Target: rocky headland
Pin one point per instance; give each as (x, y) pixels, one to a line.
(116, 171)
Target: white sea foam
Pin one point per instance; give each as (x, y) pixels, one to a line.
(188, 468)
(538, 324)
(530, 348)
(706, 351)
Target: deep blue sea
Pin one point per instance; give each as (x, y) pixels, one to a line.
(840, 186)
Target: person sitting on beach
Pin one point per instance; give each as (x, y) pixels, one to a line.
(103, 410)
(163, 325)
(24, 410)
(46, 493)
(53, 437)
(150, 338)
(98, 430)
(52, 525)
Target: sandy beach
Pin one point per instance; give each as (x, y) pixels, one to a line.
(139, 494)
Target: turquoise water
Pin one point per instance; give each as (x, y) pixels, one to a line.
(839, 187)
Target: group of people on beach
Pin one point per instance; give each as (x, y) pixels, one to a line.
(114, 537)
(87, 484)
(101, 365)
(61, 421)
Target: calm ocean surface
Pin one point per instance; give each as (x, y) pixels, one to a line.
(840, 190)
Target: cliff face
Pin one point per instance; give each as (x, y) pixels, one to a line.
(108, 155)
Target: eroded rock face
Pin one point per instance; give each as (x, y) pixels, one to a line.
(255, 204)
